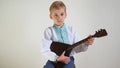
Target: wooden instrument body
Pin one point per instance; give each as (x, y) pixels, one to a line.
(58, 48)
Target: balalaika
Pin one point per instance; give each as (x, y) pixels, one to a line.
(58, 47)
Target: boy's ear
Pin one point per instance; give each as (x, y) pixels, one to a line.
(65, 14)
(50, 16)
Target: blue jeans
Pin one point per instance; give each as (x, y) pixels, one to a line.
(50, 64)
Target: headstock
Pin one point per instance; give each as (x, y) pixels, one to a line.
(100, 33)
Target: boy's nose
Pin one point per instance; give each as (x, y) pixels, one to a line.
(59, 17)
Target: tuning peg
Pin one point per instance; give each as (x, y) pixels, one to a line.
(101, 29)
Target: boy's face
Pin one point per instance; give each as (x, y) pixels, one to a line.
(58, 16)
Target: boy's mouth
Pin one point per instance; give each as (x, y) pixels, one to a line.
(60, 21)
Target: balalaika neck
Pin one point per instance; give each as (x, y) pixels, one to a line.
(79, 42)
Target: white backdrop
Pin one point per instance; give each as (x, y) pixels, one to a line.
(22, 23)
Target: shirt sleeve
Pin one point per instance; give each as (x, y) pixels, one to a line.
(80, 48)
(46, 42)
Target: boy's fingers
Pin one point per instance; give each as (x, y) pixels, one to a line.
(67, 60)
(63, 53)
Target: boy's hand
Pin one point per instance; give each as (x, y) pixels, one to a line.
(90, 41)
(63, 58)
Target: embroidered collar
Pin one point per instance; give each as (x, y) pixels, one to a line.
(58, 27)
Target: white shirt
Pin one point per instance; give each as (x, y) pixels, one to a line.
(50, 35)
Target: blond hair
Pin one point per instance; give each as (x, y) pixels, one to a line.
(57, 5)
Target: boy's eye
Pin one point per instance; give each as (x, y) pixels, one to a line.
(56, 15)
(62, 14)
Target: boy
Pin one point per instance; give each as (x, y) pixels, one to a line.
(61, 32)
